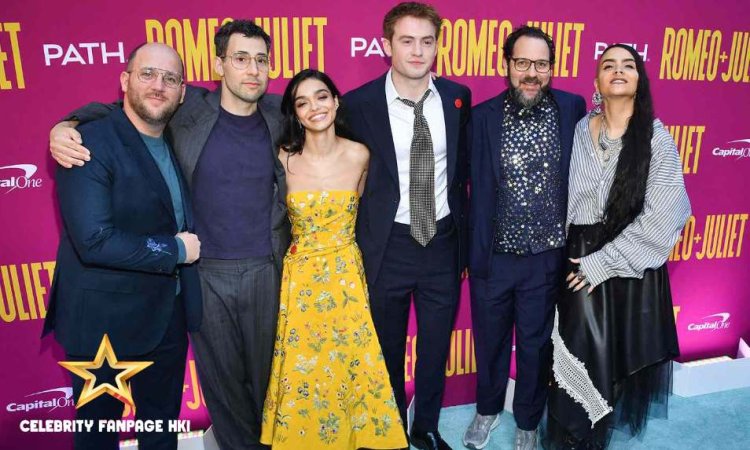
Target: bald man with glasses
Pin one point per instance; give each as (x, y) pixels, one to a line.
(224, 143)
(125, 260)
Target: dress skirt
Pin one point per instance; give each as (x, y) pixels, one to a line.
(613, 350)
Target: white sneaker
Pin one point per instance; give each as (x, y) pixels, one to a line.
(525, 440)
(478, 434)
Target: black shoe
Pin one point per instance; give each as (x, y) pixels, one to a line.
(429, 440)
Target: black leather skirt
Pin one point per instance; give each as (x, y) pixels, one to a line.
(624, 335)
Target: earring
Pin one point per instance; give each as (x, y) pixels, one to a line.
(596, 99)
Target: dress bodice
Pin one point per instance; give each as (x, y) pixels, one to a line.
(321, 220)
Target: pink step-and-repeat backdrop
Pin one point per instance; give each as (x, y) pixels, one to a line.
(55, 56)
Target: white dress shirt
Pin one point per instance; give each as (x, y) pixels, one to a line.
(401, 117)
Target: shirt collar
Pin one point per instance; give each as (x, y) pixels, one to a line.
(391, 95)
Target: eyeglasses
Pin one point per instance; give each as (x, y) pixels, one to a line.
(523, 64)
(241, 60)
(148, 74)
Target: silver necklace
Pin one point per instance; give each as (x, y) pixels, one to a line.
(607, 146)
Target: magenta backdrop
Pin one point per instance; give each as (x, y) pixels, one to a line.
(54, 57)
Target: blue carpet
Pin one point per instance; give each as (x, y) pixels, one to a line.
(718, 421)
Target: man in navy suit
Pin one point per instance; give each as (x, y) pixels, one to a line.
(521, 143)
(224, 142)
(123, 264)
(411, 216)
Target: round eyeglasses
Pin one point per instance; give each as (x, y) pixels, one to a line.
(241, 60)
(148, 74)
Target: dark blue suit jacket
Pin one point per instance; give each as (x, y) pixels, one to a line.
(486, 144)
(367, 114)
(116, 269)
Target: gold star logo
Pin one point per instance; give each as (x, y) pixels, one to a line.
(90, 390)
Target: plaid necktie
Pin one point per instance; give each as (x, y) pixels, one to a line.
(421, 177)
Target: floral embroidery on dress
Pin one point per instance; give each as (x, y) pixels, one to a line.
(329, 386)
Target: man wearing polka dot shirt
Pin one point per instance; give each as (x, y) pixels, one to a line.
(521, 143)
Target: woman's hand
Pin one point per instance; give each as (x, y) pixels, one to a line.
(577, 280)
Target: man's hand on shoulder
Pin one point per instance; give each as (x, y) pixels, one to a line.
(65, 145)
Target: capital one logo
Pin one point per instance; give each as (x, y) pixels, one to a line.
(51, 399)
(18, 176)
(719, 321)
(739, 149)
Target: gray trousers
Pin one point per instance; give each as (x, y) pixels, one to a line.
(234, 346)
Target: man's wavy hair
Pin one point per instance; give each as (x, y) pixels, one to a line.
(410, 9)
(247, 28)
(533, 32)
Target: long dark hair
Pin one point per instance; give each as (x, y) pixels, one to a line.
(292, 137)
(628, 192)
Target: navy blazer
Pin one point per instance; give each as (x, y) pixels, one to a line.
(366, 112)
(116, 269)
(189, 130)
(485, 147)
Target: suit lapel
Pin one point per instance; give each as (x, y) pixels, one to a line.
(134, 144)
(379, 123)
(203, 121)
(566, 132)
(494, 133)
(452, 117)
(274, 124)
(187, 207)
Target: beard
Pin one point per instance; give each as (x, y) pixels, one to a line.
(518, 96)
(151, 117)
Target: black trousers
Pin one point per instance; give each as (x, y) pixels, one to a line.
(520, 291)
(234, 346)
(431, 275)
(156, 391)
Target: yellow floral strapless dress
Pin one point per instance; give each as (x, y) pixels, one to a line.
(329, 387)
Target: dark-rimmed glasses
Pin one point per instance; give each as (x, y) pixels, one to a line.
(523, 64)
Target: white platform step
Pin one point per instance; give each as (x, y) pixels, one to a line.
(713, 375)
